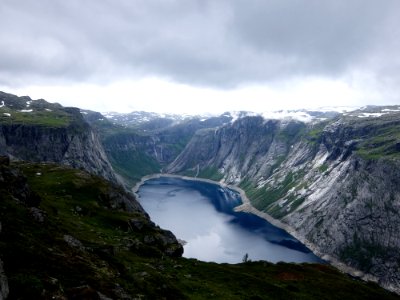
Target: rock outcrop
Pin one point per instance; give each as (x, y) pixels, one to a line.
(38, 131)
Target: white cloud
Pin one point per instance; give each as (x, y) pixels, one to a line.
(160, 95)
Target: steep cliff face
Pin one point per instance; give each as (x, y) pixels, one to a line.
(63, 145)
(148, 147)
(34, 130)
(336, 184)
(247, 149)
(352, 215)
(346, 200)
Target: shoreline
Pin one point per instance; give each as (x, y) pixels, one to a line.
(247, 207)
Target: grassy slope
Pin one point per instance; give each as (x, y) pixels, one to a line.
(58, 118)
(377, 137)
(37, 258)
(132, 165)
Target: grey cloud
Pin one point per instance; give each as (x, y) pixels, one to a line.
(319, 36)
(213, 43)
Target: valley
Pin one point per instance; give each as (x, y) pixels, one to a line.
(331, 182)
(331, 179)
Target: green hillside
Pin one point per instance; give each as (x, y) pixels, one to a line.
(66, 233)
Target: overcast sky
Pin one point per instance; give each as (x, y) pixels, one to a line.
(201, 55)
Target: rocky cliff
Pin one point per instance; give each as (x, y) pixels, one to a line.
(248, 148)
(334, 183)
(139, 144)
(38, 131)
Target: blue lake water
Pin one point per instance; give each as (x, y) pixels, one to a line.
(202, 215)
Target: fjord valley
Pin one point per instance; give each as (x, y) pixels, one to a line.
(70, 227)
(320, 174)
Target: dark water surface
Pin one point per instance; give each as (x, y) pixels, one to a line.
(202, 214)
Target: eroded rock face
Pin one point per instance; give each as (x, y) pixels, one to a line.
(167, 242)
(58, 145)
(39, 131)
(351, 213)
(337, 185)
(115, 197)
(246, 149)
(164, 240)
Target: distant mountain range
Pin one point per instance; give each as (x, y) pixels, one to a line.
(151, 121)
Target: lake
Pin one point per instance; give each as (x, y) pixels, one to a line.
(202, 215)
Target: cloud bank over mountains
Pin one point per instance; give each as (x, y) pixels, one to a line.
(220, 45)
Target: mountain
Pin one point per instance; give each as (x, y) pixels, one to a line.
(149, 121)
(137, 146)
(333, 184)
(67, 234)
(38, 131)
(138, 118)
(329, 178)
(142, 143)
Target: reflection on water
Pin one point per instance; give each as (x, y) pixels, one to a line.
(202, 214)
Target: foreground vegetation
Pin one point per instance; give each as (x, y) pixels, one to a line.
(66, 233)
